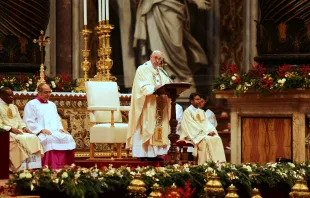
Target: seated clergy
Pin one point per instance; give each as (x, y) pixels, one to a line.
(25, 147)
(42, 118)
(197, 129)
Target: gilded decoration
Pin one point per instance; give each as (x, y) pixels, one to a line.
(72, 108)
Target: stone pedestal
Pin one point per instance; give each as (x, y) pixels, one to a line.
(287, 108)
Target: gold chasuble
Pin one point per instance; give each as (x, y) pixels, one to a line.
(148, 126)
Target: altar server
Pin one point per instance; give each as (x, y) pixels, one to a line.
(42, 118)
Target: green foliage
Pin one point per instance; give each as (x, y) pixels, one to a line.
(61, 83)
(258, 78)
(82, 182)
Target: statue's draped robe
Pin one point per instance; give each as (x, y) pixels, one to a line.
(25, 149)
(195, 128)
(141, 136)
(161, 25)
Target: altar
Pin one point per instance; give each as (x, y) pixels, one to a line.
(267, 127)
(72, 108)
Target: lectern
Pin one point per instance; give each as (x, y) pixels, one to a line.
(5, 157)
(173, 91)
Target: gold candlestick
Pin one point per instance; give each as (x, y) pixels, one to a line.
(108, 62)
(101, 52)
(85, 65)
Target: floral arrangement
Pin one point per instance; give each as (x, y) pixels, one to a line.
(258, 78)
(83, 182)
(61, 83)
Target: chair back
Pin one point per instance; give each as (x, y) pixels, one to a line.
(103, 94)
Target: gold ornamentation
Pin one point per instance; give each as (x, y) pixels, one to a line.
(155, 191)
(214, 186)
(232, 192)
(174, 192)
(137, 186)
(198, 117)
(158, 133)
(86, 65)
(105, 63)
(300, 189)
(10, 113)
(255, 193)
(42, 41)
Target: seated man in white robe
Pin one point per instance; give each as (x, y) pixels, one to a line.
(42, 118)
(25, 147)
(210, 115)
(197, 129)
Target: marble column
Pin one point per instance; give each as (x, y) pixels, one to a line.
(250, 51)
(64, 37)
(50, 50)
(77, 26)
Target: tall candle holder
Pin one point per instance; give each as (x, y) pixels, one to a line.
(108, 62)
(100, 52)
(86, 64)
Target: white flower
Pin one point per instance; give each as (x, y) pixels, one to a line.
(222, 86)
(77, 175)
(209, 169)
(248, 168)
(291, 164)
(22, 175)
(94, 174)
(64, 175)
(56, 180)
(27, 85)
(281, 81)
(150, 173)
(233, 78)
(28, 175)
(176, 166)
(186, 169)
(53, 84)
(118, 173)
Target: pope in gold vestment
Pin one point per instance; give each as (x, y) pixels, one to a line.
(148, 126)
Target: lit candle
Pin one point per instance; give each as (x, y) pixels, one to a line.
(107, 9)
(99, 10)
(103, 10)
(85, 12)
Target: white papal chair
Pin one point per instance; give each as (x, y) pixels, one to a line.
(105, 115)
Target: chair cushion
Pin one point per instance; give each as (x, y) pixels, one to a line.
(103, 133)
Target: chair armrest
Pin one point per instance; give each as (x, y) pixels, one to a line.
(103, 108)
(124, 108)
